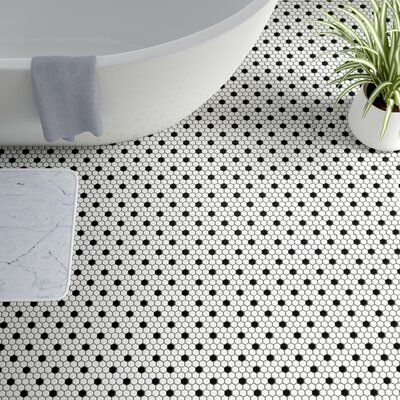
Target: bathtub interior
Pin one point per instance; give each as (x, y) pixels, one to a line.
(101, 27)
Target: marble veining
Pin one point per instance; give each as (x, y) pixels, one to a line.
(37, 208)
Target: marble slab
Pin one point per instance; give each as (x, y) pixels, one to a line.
(37, 214)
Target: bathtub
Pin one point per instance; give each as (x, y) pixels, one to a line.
(158, 60)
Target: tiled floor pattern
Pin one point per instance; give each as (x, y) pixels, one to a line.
(251, 251)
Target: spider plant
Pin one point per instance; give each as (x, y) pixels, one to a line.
(373, 55)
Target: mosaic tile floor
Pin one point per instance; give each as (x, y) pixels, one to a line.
(251, 251)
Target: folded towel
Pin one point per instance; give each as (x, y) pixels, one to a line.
(67, 94)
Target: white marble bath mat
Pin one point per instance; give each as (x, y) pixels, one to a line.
(36, 233)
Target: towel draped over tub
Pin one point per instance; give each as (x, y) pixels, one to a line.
(67, 95)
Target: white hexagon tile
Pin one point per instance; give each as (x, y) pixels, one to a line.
(251, 251)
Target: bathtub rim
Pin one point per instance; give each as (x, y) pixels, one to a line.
(195, 38)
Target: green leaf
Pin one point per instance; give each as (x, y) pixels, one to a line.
(396, 95)
(382, 21)
(396, 84)
(375, 6)
(395, 7)
(388, 113)
(366, 25)
(374, 96)
(366, 48)
(363, 63)
(345, 66)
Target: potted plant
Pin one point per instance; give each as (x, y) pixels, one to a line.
(373, 66)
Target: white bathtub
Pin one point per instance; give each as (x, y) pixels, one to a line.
(158, 60)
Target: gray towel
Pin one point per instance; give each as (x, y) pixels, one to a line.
(67, 95)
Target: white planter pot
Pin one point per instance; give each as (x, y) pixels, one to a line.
(367, 130)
